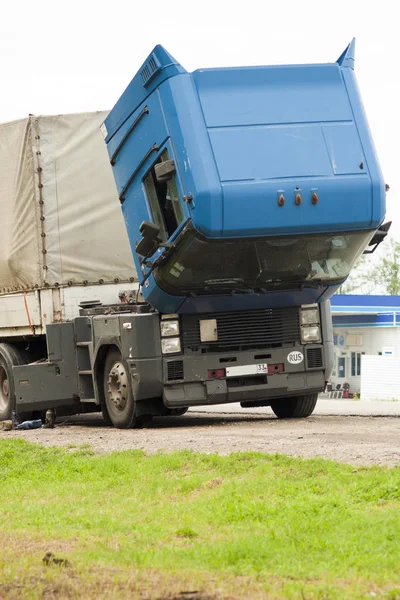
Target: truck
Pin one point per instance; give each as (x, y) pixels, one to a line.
(247, 193)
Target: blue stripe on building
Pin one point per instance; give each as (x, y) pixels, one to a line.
(365, 311)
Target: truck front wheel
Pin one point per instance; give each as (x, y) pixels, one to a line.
(120, 405)
(9, 356)
(297, 407)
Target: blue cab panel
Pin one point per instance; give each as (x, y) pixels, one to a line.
(258, 152)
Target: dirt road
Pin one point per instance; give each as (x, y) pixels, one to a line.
(353, 432)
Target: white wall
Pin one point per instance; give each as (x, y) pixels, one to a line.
(373, 340)
(380, 378)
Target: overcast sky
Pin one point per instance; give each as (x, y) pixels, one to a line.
(59, 57)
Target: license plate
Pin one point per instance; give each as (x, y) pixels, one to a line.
(260, 369)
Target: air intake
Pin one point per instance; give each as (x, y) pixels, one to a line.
(314, 358)
(175, 370)
(149, 69)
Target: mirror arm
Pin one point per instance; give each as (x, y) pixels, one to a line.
(378, 237)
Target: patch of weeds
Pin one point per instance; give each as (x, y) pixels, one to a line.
(186, 532)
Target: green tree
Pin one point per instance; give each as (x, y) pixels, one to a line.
(372, 275)
(359, 280)
(386, 273)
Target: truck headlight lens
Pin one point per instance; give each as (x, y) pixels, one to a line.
(309, 316)
(169, 328)
(310, 333)
(171, 345)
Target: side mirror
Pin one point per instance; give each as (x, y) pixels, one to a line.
(150, 240)
(149, 230)
(164, 171)
(379, 236)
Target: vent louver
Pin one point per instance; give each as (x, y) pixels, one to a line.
(149, 69)
(314, 358)
(175, 370)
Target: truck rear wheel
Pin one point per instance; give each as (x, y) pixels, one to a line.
(9, 356)
(297, 407)
(120, 405)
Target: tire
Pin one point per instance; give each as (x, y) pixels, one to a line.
(177, 412)
(9, 356)
(297, 407)
(120, 406)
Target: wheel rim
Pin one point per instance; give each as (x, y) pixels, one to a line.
(4, 389)
(117, 387)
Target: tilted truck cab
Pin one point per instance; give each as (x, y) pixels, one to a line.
(274, 183)
(248, 193)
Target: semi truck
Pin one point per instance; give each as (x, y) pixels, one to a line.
(247, 195)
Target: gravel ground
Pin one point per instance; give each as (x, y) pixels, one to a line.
(359, 433)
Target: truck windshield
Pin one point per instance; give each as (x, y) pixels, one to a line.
(201, 266)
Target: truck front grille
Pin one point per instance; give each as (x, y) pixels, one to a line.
(244, 330)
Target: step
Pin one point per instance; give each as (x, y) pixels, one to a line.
(86, 372)
(83, 344)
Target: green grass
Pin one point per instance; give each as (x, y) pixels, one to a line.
(244, 525)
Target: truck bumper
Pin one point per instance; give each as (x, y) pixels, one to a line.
(218, 391)
(196, 388)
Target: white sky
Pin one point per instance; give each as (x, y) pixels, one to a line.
(59, 57)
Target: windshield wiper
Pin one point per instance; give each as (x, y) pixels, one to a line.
(223, 281)
(307, 283)
(287, 282)
(231, 282)
(313, 283)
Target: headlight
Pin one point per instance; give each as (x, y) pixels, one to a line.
(309, 316)
(310, 333)
(169, 328)
(171, 345)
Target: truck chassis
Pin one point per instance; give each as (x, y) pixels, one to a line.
(109, 359)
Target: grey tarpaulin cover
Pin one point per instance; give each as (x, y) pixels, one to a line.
(61, 221)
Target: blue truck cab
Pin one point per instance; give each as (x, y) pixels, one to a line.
(248, 194)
